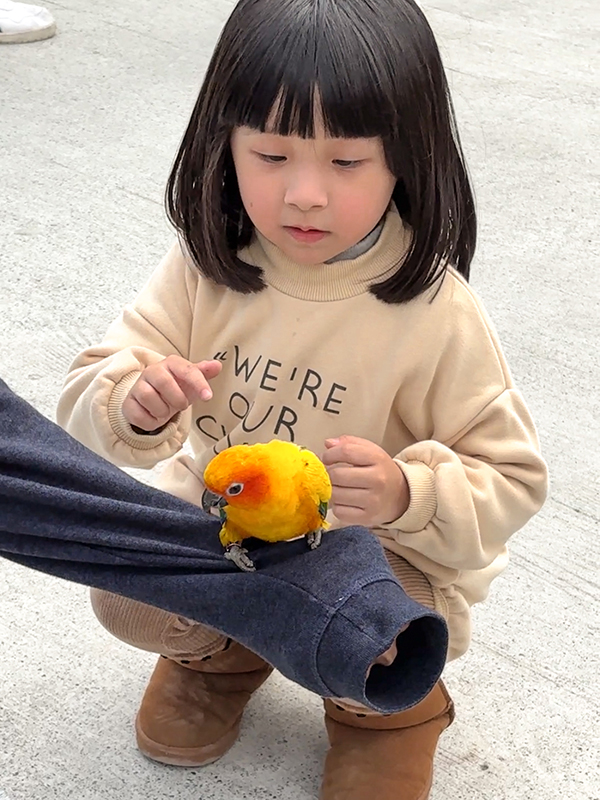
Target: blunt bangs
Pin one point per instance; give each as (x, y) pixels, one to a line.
(359, 69)
(317, 68)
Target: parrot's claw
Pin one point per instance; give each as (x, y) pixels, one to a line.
(239, 556)
(314, 539)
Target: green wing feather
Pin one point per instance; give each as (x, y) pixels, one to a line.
(323, 506)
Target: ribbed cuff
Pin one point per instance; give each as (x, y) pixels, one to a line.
(416, 585)
(423, 499)
(123, 429)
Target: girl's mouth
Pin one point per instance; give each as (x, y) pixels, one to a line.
(308, 236)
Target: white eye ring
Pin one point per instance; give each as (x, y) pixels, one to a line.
(234, 489)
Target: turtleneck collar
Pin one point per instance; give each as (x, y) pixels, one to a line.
(361, 247)
(337, 279)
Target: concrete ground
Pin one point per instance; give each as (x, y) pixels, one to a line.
(89, 123)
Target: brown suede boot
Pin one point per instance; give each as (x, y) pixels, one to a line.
(191, 711)
(387, 757)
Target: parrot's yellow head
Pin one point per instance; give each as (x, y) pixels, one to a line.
(241, 475)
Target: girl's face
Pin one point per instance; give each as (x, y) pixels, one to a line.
(312, 198)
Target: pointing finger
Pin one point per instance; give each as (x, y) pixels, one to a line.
(210, 369)
(192, 381)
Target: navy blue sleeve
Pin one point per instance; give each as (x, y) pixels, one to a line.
(321, 617)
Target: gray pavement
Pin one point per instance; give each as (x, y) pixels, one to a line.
(89, 124)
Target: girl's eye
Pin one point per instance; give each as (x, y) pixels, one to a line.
(345, 164)
(234, 489)
(272, 159)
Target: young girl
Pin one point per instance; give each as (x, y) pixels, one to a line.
(318, 293)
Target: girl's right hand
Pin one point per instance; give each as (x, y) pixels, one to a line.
(166, 388)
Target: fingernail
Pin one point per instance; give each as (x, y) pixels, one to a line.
(331, 442)
(206, 394)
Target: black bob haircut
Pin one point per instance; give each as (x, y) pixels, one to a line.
(374, 68)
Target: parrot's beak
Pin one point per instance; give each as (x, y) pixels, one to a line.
(211, 500)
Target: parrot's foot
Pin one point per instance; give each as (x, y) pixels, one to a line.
(314, 538)
(239, 556)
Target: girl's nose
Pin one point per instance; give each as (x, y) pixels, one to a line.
(306, 191)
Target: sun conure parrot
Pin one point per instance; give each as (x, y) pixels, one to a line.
(274, 492)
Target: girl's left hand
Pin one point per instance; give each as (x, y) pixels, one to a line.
(369, 488)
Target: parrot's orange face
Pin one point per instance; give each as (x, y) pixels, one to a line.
(241, 482)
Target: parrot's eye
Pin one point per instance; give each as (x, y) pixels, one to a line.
(234, 489)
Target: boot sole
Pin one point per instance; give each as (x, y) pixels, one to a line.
(28, 36)
(186, 756)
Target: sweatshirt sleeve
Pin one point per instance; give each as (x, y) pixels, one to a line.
(157, 324)
(478, 476)
(468, 499)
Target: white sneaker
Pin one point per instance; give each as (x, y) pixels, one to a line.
(20, 22)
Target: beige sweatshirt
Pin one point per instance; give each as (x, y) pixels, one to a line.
(315, 355)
